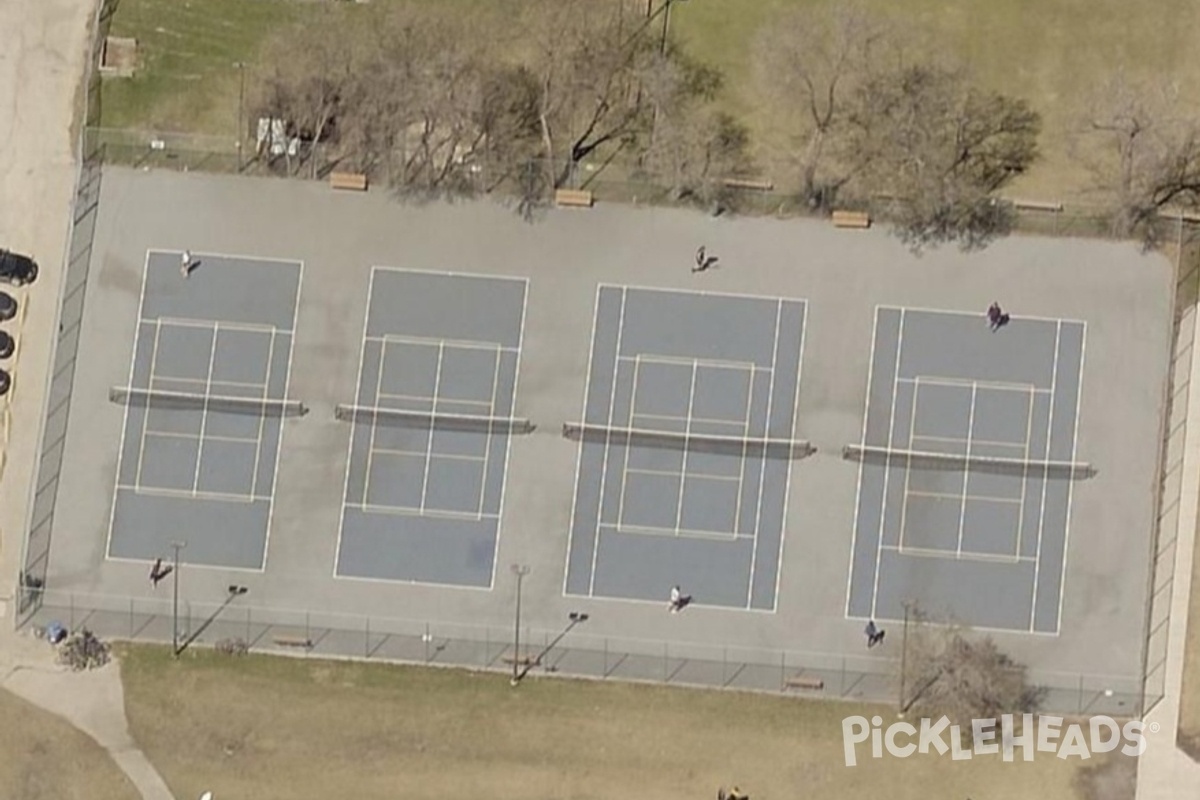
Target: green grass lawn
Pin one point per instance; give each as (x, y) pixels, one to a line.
(1048, 51)
(272, 727)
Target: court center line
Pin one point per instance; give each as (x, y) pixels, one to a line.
(374, 424)
(1025, 472)
(612, 401)
(437, 390)
(262, 420)
(145, 417)
(687, 430)
(212, 360)
(912, 427)
(887, 472)
(962, 515)
(1062, 575)
(741, 478)
(762, 460)
(1037, 564)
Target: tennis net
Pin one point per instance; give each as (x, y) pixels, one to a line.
(433, 419)
(692, 442)
(928, 460)
(161, 398)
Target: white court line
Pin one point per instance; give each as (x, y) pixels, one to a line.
(974, 315)
(483, 276)
(464, 344)
(862, 464)
(612, 402)
(362, 358)
(192, 494)
(887, 473)
(741, 478)
(1002, 386)
(487, 445)
(677, 533)
(195, 437)
(209, 324)
(706, 420)
(1042, 512)
(944, 496)
(700, 292)
(508, 440)
(946, 555)
(146, 417)
(409, 511)
(437, 384)
(681, 361)
(1062, 579)
(1025, 471)
(762, 461)
(637, 366)
(705, 475)
(444, 456)
(587, 386)
(212, 359)
(912, 427)
(683, 472)
(962, 516)
(283, 423)
(262, 420)
(985, 442)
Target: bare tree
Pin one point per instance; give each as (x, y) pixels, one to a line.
(591, 61)
(1143, 153)
(810, 62)
(940, 149)
(950, 673)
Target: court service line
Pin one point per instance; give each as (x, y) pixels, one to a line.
(192, 494)
(697, 292)
(430, 341)
(944, 496)
(951, 312)
(421, 455)
(196, 437)
(947, 555)
(862, 465)
(257, 328)
(358, 394)
(706, 420)
(137, 334)
(612, 401)
(410, 511)
(692, 363)
(887, 473)
(962, 515)
(1042, 511)
(1062, 580)
(762, 463)
(984, 442)
(677, 533)
(587, 387)
(950, 382)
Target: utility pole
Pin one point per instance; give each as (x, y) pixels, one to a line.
(903, 658)
(176, 546)
(241, 131)
(520, 570)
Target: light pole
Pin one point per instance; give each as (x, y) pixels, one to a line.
(176, 546)
(520, 570)
(241, 132)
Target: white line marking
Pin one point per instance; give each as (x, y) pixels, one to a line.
(862, 464)
(487, 444)
(637, 374)
(371, 449)
(973, 315)
(912, 427)
(587, 386)
(966, 476)
(209, 324)
(1062, 580)
(1000, 386)
(762, 460)
(677, 532)
(704, 420)
(672, 474)
(683, 473)
(1025, 472)
(887, 471)
(957, 496)
(437, 385)
(696, 292)
(145, 417)
(947, 555)
(428, 512)
(462, 344)
(1045, 481)
(741, 478)
(193, 494)
(212, 360)
(262, 420)
(680, 361)
(507, 440)
(612, 402)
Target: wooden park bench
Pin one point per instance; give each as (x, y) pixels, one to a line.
(851, 219)
(294, 641)
(809, 682)
(1036, 205)
(575, 198)
(747, 183)
(353, 181)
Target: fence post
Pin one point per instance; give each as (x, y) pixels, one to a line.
(367, 638)
(425, 641)
(131, 618)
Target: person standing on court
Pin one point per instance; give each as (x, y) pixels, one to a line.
(185, 263)
(701, 259)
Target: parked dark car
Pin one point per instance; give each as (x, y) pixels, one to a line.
(8, 307)
(16, 268)
(8, 345)
(5, 382)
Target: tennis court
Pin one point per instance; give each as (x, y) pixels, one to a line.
(204, 410)
(429, 427)
(968, 461)
(686, 447)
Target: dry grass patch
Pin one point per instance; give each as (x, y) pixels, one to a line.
(44, 757)
(273, 727)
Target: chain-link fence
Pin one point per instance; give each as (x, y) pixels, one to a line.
(569, 651)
